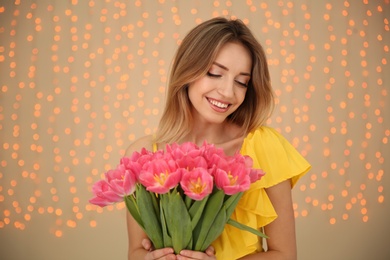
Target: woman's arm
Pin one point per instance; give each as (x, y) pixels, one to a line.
(281, 232)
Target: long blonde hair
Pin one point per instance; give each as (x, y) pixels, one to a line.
(194, 58)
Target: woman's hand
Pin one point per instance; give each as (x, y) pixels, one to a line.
(159, 254)
(168, 253)
(209, 254)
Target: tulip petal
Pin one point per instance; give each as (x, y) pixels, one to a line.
(101, 202)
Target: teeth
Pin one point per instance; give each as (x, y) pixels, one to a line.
(218, 104)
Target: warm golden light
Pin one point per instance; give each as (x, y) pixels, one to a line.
(76, 89)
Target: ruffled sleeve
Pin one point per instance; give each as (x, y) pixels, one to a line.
(272, 153)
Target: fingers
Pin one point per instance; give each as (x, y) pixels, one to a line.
(161, 254)
(210, 251)
(188, 254)
(168, 253)
(147, 245)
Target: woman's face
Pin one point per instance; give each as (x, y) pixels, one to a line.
(222, 90)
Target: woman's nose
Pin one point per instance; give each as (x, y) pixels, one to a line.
(226, 88)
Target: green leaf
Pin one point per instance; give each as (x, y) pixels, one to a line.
(246, 228)
(210, 212)
(215, 230)
(154, 199)
(166, 237)
(180, 223)
(231, 203)
(148, 215)
(196, 211)
(188, 201)
(133, 209)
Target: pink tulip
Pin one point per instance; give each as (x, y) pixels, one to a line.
(135, 162)
(133, 166)
(211, 153)
(160, 175)
(104, 195)
(121, 180)
(141, 156)
(187, 149)
(197, 183)
(255, 175)
(117, 184)
(216, 160)
(187, 155)
(232, 180)
(189, 163)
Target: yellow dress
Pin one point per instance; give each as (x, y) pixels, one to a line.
(272, 153)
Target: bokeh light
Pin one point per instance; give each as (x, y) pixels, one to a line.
(81, 80)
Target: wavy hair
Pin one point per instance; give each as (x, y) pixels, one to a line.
(193, 59)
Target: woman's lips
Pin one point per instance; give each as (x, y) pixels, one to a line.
(218, 104)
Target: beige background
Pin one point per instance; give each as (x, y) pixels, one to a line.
(80, 80)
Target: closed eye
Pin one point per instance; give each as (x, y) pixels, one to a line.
(218, 76)
(242, 84)
(213, 75)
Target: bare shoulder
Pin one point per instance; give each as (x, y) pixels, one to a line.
(137, 145)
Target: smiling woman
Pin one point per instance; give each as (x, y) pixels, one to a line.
(195, 59)
(219, 92)
(81, 80)
(222, 90)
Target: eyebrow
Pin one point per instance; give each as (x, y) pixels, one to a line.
(227, 69)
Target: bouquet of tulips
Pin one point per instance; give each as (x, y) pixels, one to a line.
(181, 197)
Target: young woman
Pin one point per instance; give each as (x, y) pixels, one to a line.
(220, 91)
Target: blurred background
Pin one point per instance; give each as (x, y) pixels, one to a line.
(81, 80)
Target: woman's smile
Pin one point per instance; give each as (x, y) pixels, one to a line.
(218, 104)
(224, 86)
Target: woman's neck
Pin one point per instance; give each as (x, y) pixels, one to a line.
(227, 136)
